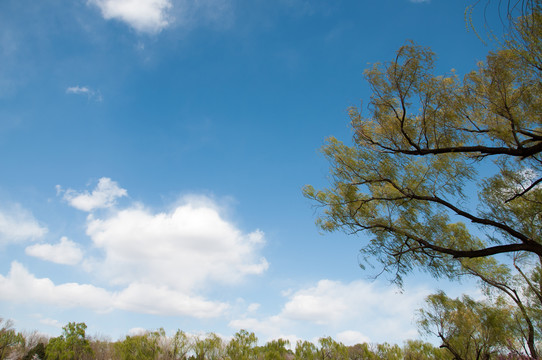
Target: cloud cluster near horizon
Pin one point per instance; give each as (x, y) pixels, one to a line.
(161, 261)
(342, 307)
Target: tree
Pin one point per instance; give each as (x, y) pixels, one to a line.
(242, 346)
(361, 352)
(522, 289)
(330, 349)
(138, 347)
(179, 345)
(36, 353)
(305, 350)
(71, 345)
(428, 145)
(415, 160)
(9, 339)
(469, 329)
(209, 347)
(274, 350)
(419, 350)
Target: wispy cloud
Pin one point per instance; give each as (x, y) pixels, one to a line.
(104, 195)
(51, 322)
(18, 225)
(86, 91)
(420, 1)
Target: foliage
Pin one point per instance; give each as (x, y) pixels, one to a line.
(71, 345)
(403, 180)
(37, 352)
(209, 347)
(305, 350)
(469, 329)
(361, 352)
(522, 290)
(182, 346)
(429, 143)
(242, 346)
(179, 346)
(330, 349)
(9, 339)
(140, 347)
(419, 350)
(274, 350)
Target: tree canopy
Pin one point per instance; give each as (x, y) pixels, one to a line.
(444, 174)
(425, 150)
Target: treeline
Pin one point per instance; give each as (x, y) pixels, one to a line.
(74, 344)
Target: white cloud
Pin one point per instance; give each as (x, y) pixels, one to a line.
(18, 225)
(104, 195)
(84, 90)
(160, 300)
(159, 262)
(51, 322)
(153, 16)
(78, 90)
(253, 307)
(270, 328)
(351, 310)
(149, 16)
(186, 248)
(21, 286)
(137, 331)
(420, 1)
(351, 337)
(65, 252)
(320, 304)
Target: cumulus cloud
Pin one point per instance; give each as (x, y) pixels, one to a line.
(84, 90)
(65, 252)
(149, 16)
(153, 16)
(157, 262)
(353, 310)
(104, 195)
(351, 337)
(161, 300)
(22, 286)
(185, 248)
(18, 225)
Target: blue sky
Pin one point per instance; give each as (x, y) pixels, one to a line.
(154, 153)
